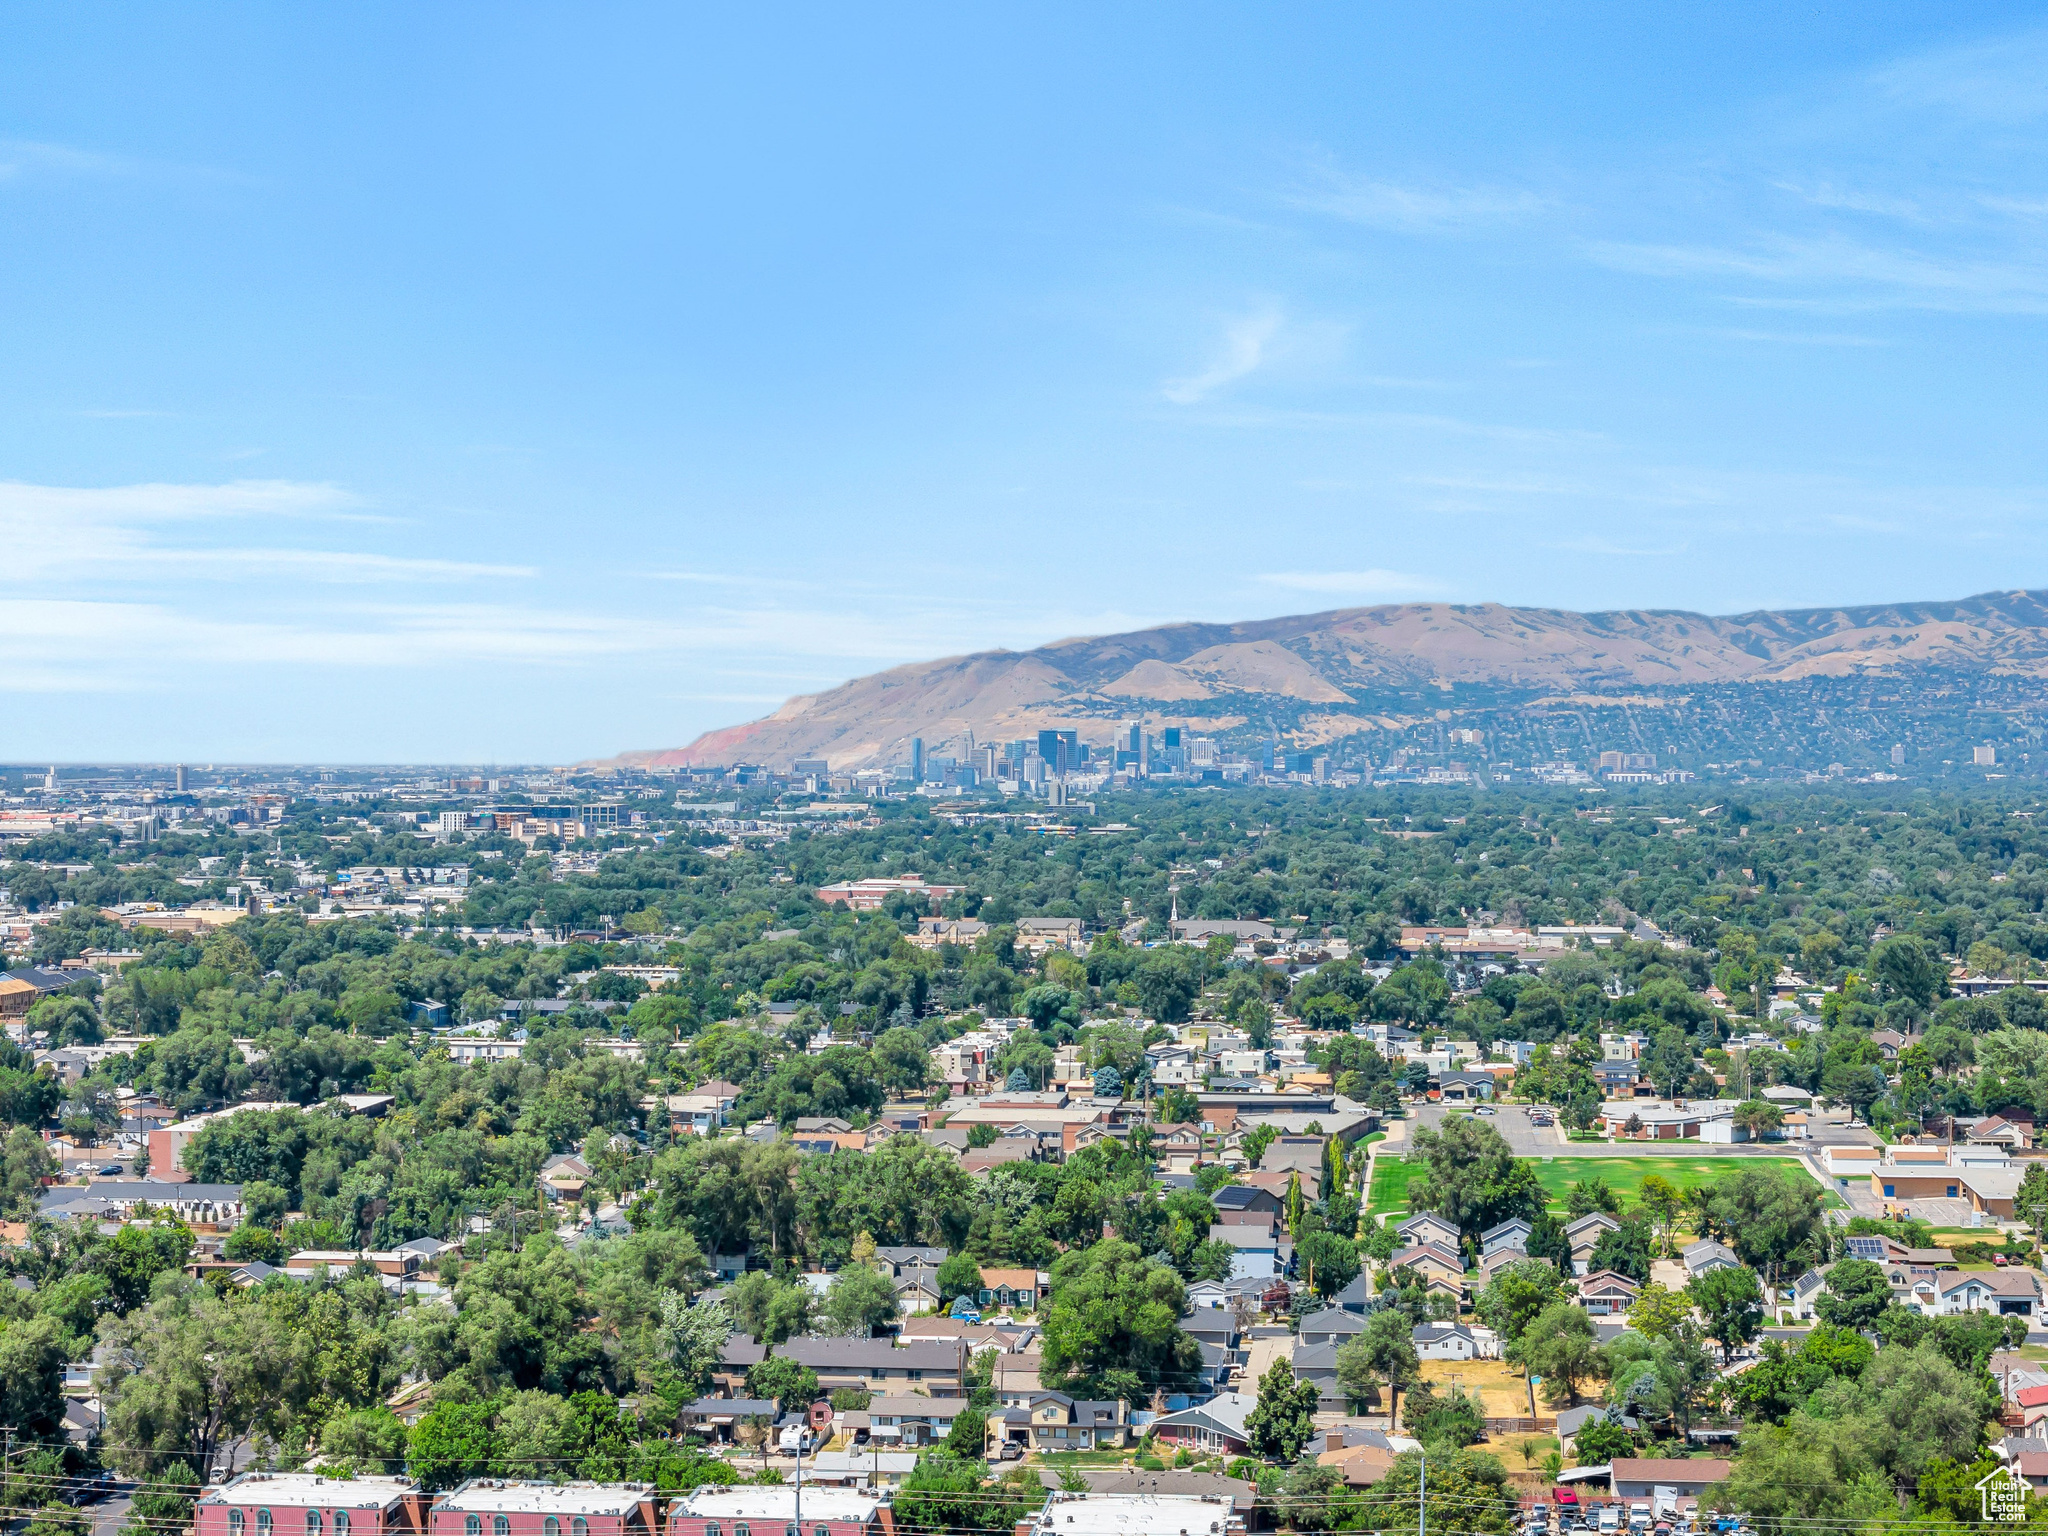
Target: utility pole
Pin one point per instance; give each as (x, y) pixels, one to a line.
(1422, 1497)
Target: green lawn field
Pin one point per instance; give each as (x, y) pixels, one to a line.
(1624, 1175)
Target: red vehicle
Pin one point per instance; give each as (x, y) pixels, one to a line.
(1565, 1495)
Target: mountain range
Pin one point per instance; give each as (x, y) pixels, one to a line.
(1353, 669)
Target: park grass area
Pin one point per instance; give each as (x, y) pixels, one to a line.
(1624, 1175)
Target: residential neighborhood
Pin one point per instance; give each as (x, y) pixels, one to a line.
(1257, 1204)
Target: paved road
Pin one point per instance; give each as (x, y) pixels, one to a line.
(111, 1513)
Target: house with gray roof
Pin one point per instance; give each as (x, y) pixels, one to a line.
(1706, 1256)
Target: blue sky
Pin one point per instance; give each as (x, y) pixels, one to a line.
(486, 383)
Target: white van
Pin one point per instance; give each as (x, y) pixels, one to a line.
(1610, 1519)
(1639, 1517)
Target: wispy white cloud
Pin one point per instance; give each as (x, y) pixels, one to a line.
(1598, 546)
(163, 500)
(135, 532)
(1374, 583)
(1410, 208)
(24, 157)
(738, 579)
(1849, 200)
(317, 565)
(2015, 206)
(1245, 345)
(1405, 421)
(1842, 273)
(1994, 81)
(1800, 338)
(25, 161)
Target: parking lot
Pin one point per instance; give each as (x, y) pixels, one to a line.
(1512, 1121)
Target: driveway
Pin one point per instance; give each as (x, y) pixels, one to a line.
(1261, 1353)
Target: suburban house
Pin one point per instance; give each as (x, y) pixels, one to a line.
(1465, 1087)
(1706, 1256)
(1038, 934)
(1332, 1325)
(1357, 1296)
(2000, 1132)
(1215, 1427)
(1607, 1294)
(702, 1111)
(1052, 1421)
(1232, 1198)
(1584, 1236)
(1019, 1288)
(912, 1421)
(563, 1177)
(2012, 1292)
(1179, 1147)
(197, 1205)
(1615, 1077)
(1800, 1295)
(1428, 1227)
(900, 1259)
(741, 1354)
(491, 1507)
(1511, 1235)
(933, 1365)
(1258, 1249)
(1315, 1365)
(1889, 1250)
(917, 1293)
(716, 1418)
(1431, 1260)
(1501, 1258)
(1449, 1341)
(304, 1504)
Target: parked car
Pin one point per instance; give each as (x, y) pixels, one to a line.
(82, 1487)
